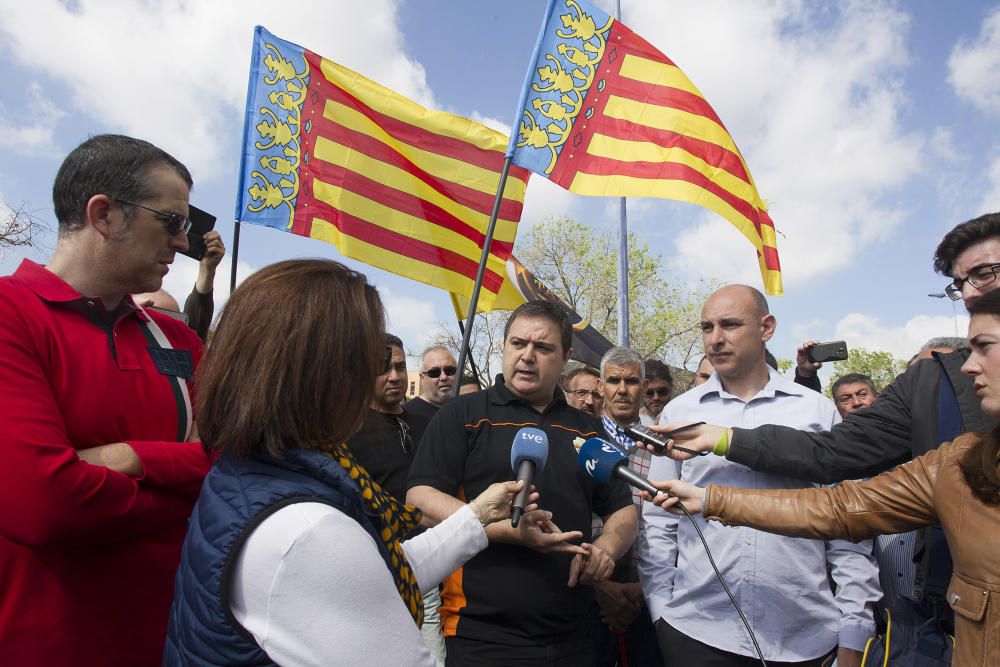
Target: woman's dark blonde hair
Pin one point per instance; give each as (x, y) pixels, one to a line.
(979, 465)
(293, 361)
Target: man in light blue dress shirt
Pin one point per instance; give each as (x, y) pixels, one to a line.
(781, 583)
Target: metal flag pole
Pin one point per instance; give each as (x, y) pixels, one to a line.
(508, 159)
(623, 276)
(234, 256)
(622, 251)
(472, 362)
(487, 242)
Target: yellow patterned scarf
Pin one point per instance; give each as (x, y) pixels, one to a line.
(394, 520)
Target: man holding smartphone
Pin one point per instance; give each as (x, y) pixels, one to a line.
(200, 304)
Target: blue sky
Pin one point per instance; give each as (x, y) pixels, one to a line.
(870, 128)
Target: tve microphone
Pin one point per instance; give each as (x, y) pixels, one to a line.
(527, 458)
(602, 461)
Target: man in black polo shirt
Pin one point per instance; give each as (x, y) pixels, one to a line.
(386, 442)
(385, 446)
(525, 599)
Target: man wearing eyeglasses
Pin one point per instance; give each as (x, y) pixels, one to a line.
(385, 447)
(101, 467)
(582, 386)
(437, 376)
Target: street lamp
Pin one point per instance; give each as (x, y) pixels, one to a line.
(954, 309)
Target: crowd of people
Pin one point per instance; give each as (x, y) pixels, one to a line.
(275, 499)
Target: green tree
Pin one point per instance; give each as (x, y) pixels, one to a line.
(881, 367)
(579, 264)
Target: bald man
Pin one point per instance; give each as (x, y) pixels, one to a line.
(781, 573)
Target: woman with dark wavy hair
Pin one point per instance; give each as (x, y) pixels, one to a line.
(294, 555)
(956, 485)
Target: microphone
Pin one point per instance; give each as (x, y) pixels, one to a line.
(602, 460)
(527, 458)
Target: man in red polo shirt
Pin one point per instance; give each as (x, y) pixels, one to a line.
(100, 468)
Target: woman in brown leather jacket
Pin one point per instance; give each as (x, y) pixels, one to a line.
(956, 486)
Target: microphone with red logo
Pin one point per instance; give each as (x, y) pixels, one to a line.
(527, 458)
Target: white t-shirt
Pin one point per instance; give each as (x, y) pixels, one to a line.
(312, 588)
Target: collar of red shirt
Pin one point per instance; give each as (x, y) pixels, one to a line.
(50, 287)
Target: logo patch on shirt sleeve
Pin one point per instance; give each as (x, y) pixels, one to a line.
(178, 363)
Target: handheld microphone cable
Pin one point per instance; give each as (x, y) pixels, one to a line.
(725, 587)
(602, 461)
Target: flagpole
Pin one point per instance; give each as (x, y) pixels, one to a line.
(235, 254)
(472, 362)
(623, 327)
(487, 242)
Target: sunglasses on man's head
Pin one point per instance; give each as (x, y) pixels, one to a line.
(435, 372)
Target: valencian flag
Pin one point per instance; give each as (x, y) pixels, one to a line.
(520, 286)
(605, 113)
(330, 155)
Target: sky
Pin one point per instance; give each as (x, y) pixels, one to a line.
(870, 128)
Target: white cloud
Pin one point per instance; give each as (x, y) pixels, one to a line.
(175, 73)
(409, 318)
(811, 330)
(974, 66)
(942, 144)
(34, 134)
(813, 97)
(543, 199)
(991, 200)
(861, 330)
(491, 122)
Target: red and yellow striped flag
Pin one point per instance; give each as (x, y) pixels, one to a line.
(605, 113)
(331, 155)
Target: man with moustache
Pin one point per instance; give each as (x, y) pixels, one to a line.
(582, 386)
(101, 470)
(624, 632)
(853, 391)
(385, 447)
(437, 375)
(527, 598)
(781, 582)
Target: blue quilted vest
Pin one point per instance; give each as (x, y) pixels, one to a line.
(238, 494)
